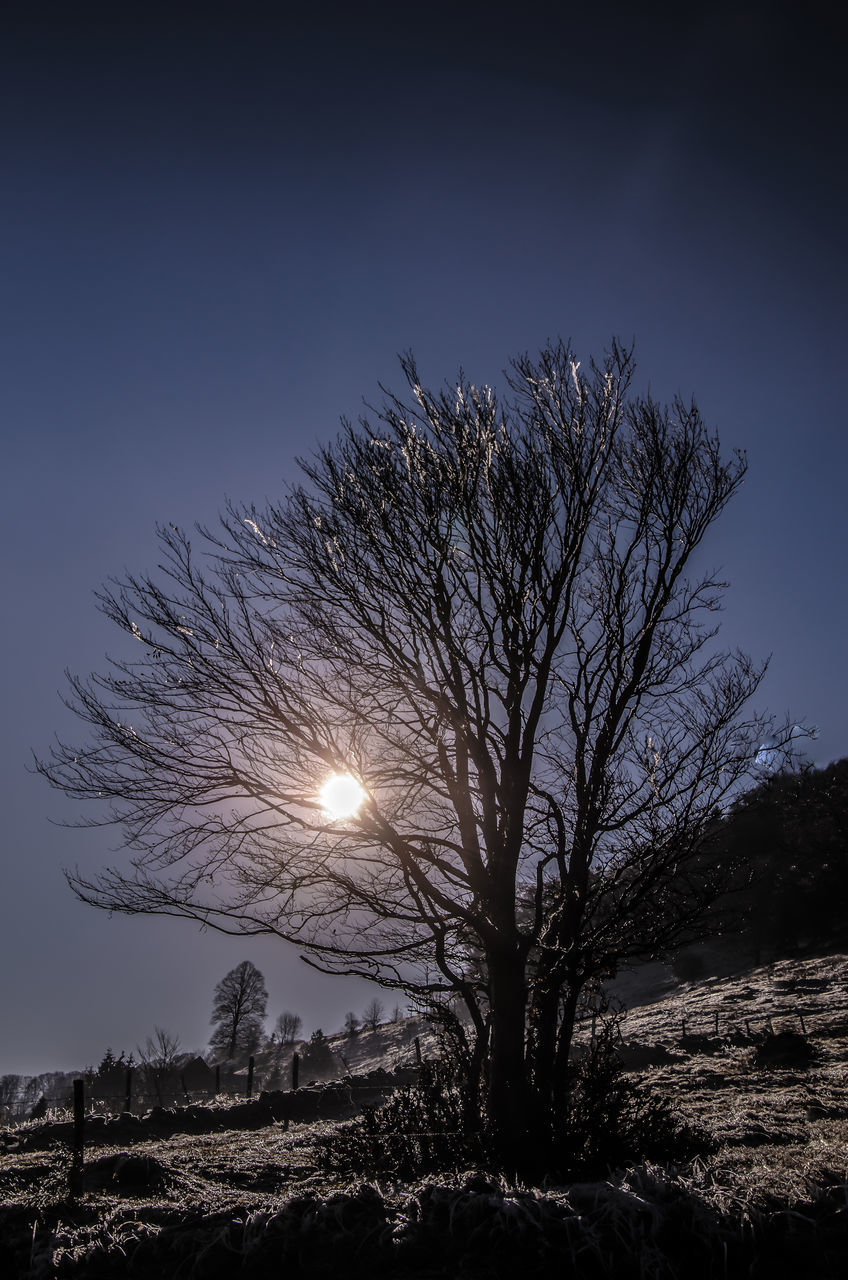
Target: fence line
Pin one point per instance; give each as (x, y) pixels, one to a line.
(174, 1092)
(170, 1086)
(226, 1084)
(716, 1020)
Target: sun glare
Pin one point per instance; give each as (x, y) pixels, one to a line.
(341, 796)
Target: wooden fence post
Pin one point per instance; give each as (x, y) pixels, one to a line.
(128, 1098)
(295, 1069)
(803, 1025)
(79, 1114)
(250, 1065)
(716, 1021)
(218, 1078)
(418, 1051)
(75, 1178)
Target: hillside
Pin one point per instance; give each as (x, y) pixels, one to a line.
(770, 1198)
(390, 1046)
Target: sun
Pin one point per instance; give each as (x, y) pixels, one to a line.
(341, 796)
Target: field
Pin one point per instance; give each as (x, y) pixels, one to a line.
(220, 1192)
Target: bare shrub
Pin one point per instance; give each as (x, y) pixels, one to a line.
(610, 1120)
(421, 1128)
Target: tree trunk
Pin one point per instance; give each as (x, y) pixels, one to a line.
(544, 1011)
(507, 1093)
(565, 1036)
(476, 1062)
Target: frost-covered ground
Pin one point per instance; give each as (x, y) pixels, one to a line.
(776, 1125)
(771, 1200)
(391, 1045)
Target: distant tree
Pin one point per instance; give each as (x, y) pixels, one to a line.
(318, 1060)
(483, 614)
(238, 1013)
(288, 1026)
(789, 836)
(10, 1089)
(161, 1050)
(351, 1023)
(107, 1081)
(159, 1058)
(110, 1063)
(107, 1062)
(396, 1014)
(33, 1087)
(372, 1015)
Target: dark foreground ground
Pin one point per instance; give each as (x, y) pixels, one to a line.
(201, 1196)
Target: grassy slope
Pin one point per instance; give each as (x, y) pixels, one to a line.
(782, 1135)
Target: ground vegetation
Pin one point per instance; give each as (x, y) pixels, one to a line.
(181, 1191)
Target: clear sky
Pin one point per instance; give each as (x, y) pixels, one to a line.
(220, 224)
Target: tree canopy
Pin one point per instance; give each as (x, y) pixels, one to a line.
(238, 1013)
(791, 834)
(484, 611)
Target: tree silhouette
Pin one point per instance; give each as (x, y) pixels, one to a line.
(351, 1023)
(288, 1026)
(158, 1058)
(318, 1060)
(791, 833)
(239, 1011)
(10, 1089)
(482, 609)
(372, 1014)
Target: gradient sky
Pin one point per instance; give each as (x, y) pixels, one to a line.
(221, 224)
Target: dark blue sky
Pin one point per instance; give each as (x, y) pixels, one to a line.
(220, 224)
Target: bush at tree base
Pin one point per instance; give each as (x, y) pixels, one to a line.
(420, 1128)
(607, 1121)
(611, 1120)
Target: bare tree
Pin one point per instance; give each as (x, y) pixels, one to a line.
(351, 1023)
(11, 1089)
(33, 1087)
(287, 1026)
(159, 1058)
(477, 623)
(372, 1015)
(238, 1013)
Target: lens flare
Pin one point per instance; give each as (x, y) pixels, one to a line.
(341, 796)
